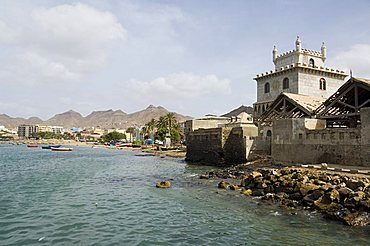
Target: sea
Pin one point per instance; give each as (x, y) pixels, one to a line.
(96, 196)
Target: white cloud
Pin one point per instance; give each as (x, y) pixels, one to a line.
(357, 59)
(77, 27)
(49, 70)
(7, 35)
(61, 43)
(182, 85)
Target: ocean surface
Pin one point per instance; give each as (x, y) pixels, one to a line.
(94, 196)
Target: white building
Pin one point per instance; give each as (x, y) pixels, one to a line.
(300, 71)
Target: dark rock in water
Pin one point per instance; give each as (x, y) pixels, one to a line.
(234, 187)
(258, 192)
(357, 219)
(204, 176)
(163, 184)
(311, 198)
(223, 185)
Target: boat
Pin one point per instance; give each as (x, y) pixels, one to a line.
(61, 149)
(32, 146)
(51, 146)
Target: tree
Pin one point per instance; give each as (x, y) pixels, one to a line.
(113, 136)
(131, 130)
(150, 126)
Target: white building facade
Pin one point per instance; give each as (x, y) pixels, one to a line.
(299, 71)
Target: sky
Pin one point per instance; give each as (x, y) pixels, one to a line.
(194, 57)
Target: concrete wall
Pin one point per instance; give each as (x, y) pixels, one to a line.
(295, 140)
(309, 83)
(221, 146)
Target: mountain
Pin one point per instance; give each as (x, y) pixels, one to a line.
(103, 119)
(12, 123)
(66, 119)
(237, 111)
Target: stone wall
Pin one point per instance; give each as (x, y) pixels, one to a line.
(293, 142)
(221, 146)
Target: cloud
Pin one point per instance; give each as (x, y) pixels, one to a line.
(182, 85)
(77, 27)
(60, 43)
(7, 35)
(357, 59)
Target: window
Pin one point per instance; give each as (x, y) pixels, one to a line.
(322, 84)
(285, 83)
(268, 133)
(267, 87)
(311, 62)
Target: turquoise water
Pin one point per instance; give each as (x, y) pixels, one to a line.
(107, 197)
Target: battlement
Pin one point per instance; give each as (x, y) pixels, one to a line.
(302, 65)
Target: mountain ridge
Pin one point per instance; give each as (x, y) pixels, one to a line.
(104, 118)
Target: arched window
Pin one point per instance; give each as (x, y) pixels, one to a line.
(322, 84)
(285, 83)
(267, 87)
(268, 133)
(311, 62)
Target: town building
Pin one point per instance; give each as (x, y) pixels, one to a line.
(299, 71)
(27, 131)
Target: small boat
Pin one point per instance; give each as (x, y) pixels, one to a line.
(32, 146)
(51, 146)
(61, 149)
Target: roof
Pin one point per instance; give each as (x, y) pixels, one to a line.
(289, 105)
(310, 103)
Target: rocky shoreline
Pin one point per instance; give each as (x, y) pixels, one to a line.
(338, 196)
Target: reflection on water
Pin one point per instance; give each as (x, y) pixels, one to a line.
(108, 197)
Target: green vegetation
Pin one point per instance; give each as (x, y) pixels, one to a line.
(113, 137)
(165, 124)
(52, 135)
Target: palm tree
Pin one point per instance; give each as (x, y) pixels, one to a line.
(171, 120)
(150, 126)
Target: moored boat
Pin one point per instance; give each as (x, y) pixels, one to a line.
(32, 146)
(51, 146)
(61, 149)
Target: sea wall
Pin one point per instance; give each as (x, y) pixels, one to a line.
(220, 146)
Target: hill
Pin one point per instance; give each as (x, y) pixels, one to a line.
(103, 119)
(237, 111)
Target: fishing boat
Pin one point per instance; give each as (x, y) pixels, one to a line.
(61, 149)
(51, 146)
(32, 146)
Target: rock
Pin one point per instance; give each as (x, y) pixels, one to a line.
(258, 192)
(334, 196)
(354, 184)
(204, 176)
(323, 204)
(163, 184)
(234, 187)
(255, 174)
(311, 198)
(261, 185)
(344, 192)
(223, 185)
(247, 192)
(357, 219)
(307, 188)
(296, 196)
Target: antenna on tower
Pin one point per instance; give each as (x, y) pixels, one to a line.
(350, 73)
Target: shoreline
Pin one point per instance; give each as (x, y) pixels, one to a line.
(339, 196)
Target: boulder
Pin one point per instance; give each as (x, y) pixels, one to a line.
(258, 192)
(234, 187)
(307, 188)
(354, 184)
(223, 185)
(357, 219)
(247, 192)
(163, 184)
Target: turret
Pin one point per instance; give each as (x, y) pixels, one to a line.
(323, 51)
(274, 54)
(298, 44)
